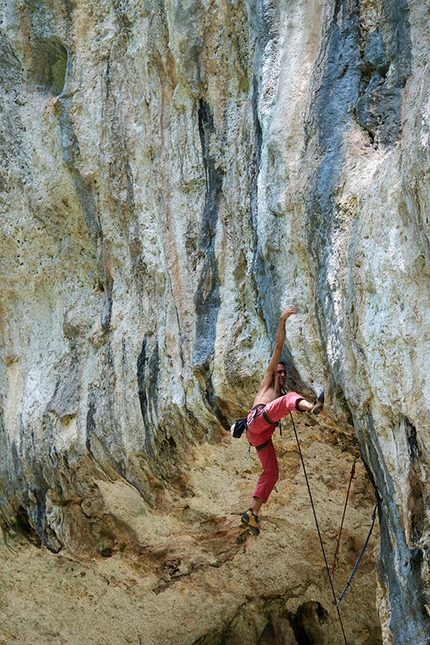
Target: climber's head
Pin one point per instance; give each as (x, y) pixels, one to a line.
(282, 373)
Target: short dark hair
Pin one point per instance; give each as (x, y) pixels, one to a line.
(282, 363)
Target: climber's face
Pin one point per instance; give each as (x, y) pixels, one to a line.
(282, 374)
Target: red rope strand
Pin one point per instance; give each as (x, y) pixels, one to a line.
(335, 557)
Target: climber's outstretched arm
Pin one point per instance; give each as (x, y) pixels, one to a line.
(280, 337)
(270, 387)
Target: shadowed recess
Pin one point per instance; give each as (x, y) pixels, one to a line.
(409, 621)
(49, 65)
(385, 68)
(71, 157)
(148, 368)
(207, 299)
(335, 82)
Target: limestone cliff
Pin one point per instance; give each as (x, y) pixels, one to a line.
(172, 174)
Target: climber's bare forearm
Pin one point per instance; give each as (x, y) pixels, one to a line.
(280, 337)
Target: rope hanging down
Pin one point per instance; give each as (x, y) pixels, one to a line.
(334, 564)
(319, 532)
(360, 555)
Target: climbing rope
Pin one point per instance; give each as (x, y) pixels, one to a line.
(359, 556)
(318, 530)
(334, 564)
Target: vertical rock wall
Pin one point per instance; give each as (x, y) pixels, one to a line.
(174, 173)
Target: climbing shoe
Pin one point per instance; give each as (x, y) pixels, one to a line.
(318, 404)
(250, 521)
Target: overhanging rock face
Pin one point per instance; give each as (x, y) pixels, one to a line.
(172, 175)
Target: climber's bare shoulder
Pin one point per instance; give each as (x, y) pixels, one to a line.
(269, 390)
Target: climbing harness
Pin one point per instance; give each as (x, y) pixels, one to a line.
(318, 530)
(258, 448)
(334, 563)
(260, 409)
(345, 589)
(256, 410)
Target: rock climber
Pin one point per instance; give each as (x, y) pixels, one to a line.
(268, 408)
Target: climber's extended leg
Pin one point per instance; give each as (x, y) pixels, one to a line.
(265, 484)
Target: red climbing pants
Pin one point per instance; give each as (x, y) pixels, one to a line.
(260, 431)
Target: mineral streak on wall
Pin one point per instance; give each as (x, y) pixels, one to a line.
(172, 174)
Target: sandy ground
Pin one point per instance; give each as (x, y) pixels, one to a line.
(198, 572)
